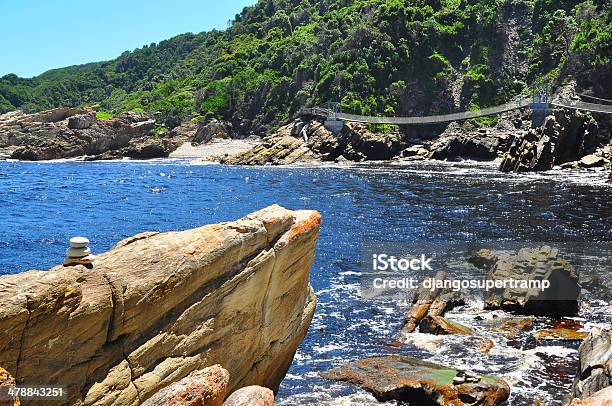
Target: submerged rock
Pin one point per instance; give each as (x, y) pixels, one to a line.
(214, 130)
(206, 387)
(483, 259)
(594, 364)
(418, 382)
(158, 306)
(564, 334)
(590, 161)
(440, 325)
(535, 264)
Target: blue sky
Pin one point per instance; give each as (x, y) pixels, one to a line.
(38, 35)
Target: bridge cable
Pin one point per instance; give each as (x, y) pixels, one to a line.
(593, 97)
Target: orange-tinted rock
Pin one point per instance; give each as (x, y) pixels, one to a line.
(206, 387)
(430, 303)
(6, 382)
(440, 325)
(600, 398)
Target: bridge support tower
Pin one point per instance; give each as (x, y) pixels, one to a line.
(540, 107)
(332, 123)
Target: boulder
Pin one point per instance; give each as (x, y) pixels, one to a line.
(214, 129)
(158, 306)
(474, 146)
(591, 161)
(532, 264)
(594, 364)
(206, 387)
(360, 144)
(81, 121)
(417, 382)
(251, 396)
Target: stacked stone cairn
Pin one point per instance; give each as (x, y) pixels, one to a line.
(79, 253)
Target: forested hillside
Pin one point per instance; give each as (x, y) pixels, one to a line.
(388, 57)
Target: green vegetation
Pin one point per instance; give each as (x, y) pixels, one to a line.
(159, 131)
(377, 57)
(103, 115)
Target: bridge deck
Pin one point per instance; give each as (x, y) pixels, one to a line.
(466, 115)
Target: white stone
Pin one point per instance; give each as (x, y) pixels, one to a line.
(79, 242)
(77, 252)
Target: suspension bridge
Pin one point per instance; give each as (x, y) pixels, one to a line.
(540, 103)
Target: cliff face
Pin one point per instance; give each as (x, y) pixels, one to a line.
(158, 306)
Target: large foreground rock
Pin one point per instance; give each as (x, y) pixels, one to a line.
(594, 365)
(544, 263)
(160, 305)
(418, 382)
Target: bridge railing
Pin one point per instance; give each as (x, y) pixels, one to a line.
(520, 102)
(580, 105)
(442, 118)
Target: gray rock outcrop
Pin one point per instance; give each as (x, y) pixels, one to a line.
(535, 264)
(81, 121)
(71, 133)
(565, 136)
(309, 141)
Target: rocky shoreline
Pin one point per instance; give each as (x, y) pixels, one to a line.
(566, 140)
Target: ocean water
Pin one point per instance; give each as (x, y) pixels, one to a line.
(42, 205)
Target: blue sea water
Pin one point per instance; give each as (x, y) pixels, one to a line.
(42, 205)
